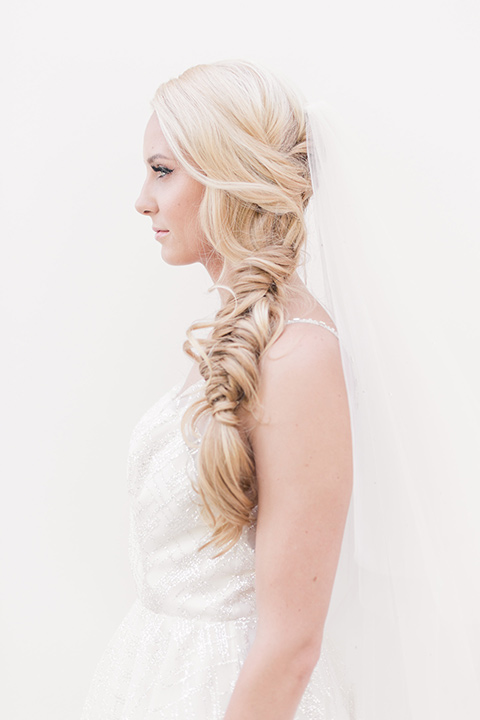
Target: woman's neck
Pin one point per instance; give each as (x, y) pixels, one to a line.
(299, 299)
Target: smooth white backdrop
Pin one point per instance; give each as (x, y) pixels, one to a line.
(93, 321)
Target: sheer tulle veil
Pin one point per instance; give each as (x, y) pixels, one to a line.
(404, 611)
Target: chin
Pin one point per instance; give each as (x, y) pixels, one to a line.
(173, 257)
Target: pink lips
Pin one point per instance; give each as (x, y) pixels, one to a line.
(159, 233)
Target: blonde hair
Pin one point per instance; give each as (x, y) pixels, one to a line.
(241, 132)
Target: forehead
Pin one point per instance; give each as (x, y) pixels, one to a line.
(154, 142)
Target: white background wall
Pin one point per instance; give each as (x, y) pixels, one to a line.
(94, 321)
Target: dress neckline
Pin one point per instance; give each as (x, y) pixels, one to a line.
(188, 389)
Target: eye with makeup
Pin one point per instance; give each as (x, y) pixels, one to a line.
(161, 170)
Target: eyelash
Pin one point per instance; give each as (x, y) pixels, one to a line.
(161, 169)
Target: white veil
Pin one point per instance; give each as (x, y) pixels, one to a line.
(405, 607)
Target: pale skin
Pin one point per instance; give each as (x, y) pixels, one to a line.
(303, 454)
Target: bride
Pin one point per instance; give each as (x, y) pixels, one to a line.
(268, 587)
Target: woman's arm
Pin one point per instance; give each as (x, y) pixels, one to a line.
(303, 459)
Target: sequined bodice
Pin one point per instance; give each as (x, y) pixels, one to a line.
(172, 576)
(178, 653)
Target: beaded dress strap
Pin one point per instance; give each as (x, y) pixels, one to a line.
(313, 322)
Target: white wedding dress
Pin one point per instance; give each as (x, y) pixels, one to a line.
(178, 652)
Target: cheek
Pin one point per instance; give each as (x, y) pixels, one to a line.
(189, 209)
(180, 210)
(187, 243)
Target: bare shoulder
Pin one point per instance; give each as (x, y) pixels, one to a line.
(305, 357)
(301, 374)
(301, 342)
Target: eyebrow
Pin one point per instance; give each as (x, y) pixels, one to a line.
(157, 156)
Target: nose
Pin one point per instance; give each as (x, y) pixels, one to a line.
(145, 204)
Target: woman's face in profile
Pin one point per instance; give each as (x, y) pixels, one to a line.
(171, 198)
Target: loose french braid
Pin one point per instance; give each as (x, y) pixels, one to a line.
(241, 132)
